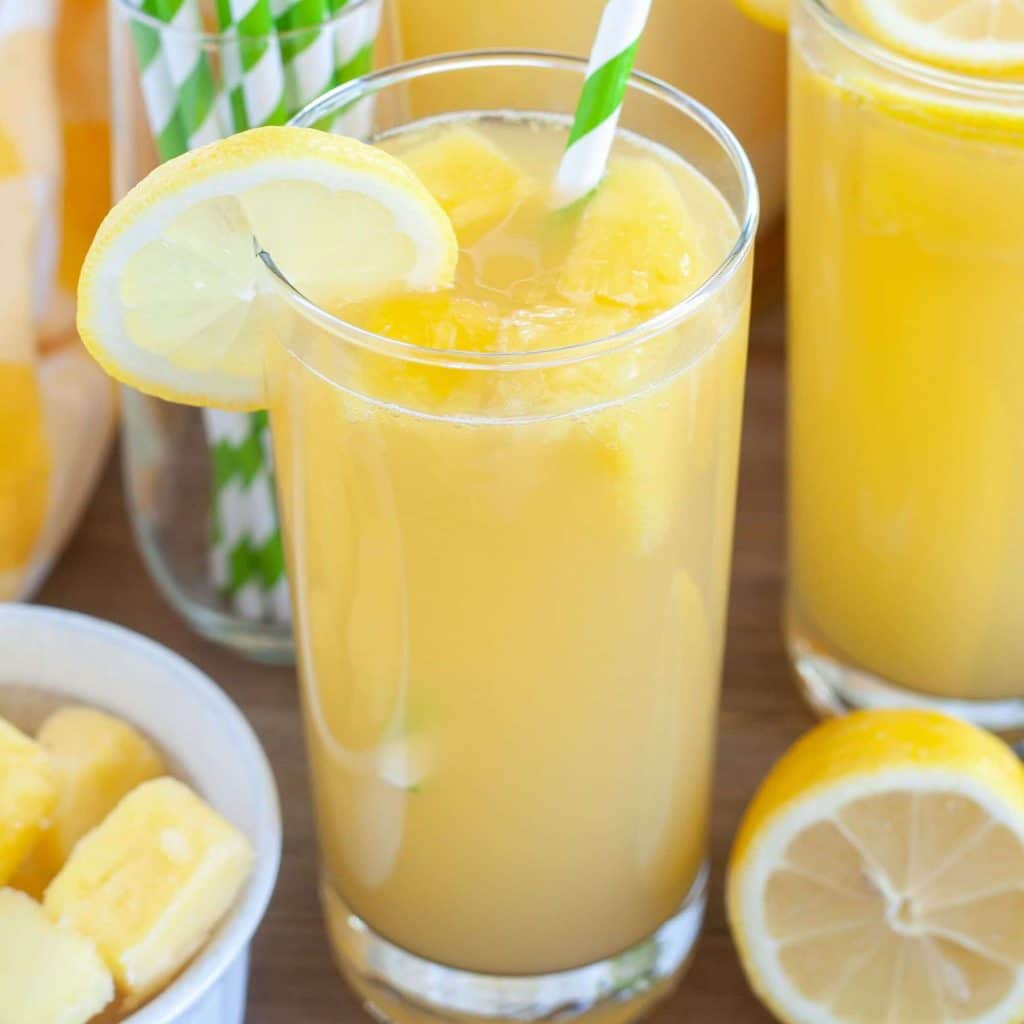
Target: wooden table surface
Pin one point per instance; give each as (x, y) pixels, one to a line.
(293, 980)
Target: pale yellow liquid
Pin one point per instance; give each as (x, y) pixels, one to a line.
(907, 377)
(509, 621)
(707, 48)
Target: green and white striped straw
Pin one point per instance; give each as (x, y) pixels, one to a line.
(182, 102)
(355, 38)
(597, 113)
(246, 556)
(254, 88)
(178, 87)
(306, 49)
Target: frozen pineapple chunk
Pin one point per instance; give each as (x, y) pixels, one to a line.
(150, 883)
(637, 244)
(474, 181)
(439, 320)
(48, 974)
(99, 759)
(28, 796)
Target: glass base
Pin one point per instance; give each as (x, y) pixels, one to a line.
(833, 686)
(262, 642)
(400, 988)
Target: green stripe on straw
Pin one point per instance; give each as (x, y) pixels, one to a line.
(255, 84)
(190, 73)
(254, 78)
(600, 103)
(603, 93)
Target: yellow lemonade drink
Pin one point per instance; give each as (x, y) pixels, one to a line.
(906, 373)
(508, 511)
(708, 48)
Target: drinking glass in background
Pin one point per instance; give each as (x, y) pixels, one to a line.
(707, 48)
(510, 572)
(906, 375)
(200, 483)
(57, 410)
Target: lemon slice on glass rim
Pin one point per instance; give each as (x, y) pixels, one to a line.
(878, 876)
(172, 298)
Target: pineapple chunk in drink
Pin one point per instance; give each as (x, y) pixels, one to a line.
(477, 184)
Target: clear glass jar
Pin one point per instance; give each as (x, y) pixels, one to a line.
(200, 483)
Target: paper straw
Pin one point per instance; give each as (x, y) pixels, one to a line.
(252, 69)
(307, 49)
(245, 558)
(597, 113)
(188, 97)
(355, 39)
(181, 99)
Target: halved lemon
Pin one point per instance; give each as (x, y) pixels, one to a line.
(967, 35)
(878, 876)
(172, 298)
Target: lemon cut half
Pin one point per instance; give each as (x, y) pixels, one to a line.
(878, 876)
(172, 298)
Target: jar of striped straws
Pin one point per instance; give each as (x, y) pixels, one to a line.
(200, 482)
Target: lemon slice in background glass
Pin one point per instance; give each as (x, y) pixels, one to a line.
(983, 37)
(878, 876)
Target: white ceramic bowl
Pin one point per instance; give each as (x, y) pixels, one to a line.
(210, 745)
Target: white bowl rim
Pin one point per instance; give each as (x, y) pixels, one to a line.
(236, 932)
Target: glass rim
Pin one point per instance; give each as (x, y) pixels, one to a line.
(874, 51)
(727, 268)
(208, 39)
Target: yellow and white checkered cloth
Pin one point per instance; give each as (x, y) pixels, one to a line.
(56, 408)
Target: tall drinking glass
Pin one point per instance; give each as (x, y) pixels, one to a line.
(509, 572)
(906, 376)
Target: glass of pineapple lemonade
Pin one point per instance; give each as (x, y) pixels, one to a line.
(508, 511)
(906, 376)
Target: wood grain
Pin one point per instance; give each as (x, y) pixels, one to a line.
(293, 980)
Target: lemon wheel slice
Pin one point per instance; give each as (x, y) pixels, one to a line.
(172, 298)
(878, 876)
(967, 35)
